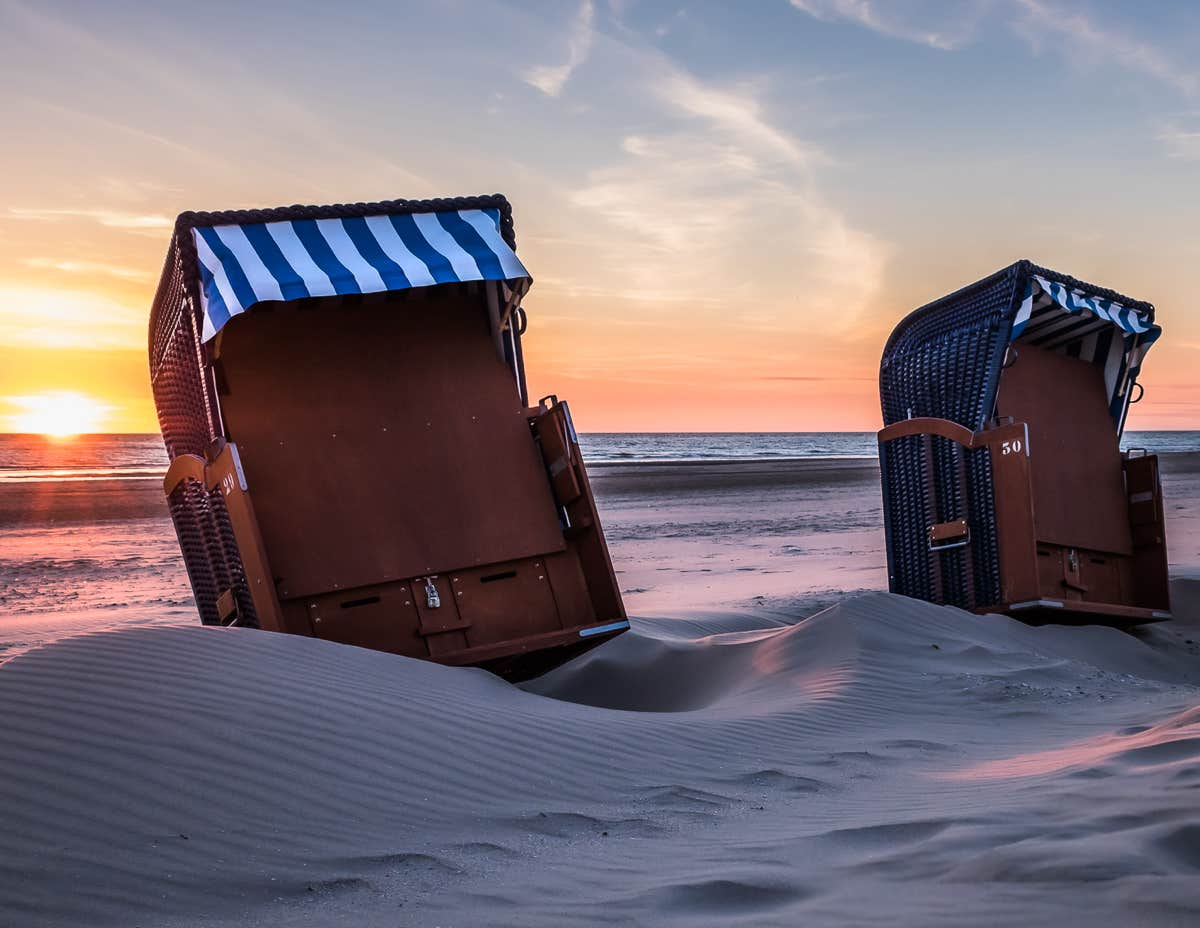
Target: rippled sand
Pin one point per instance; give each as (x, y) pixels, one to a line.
(729, 761)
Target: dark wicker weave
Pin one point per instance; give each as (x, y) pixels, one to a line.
(944, 361)
(185, 395)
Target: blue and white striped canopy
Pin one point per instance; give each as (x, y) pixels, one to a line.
(1105, 333)
(241, 265)
(1042, 295)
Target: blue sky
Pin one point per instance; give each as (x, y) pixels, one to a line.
(725, 206)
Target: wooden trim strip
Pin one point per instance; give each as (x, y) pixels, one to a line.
(184, 467)
(930, 426)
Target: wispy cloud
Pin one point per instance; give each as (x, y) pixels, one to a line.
(951, 26)
(89, 268)
(1181, 140)
(698, 200)
(837, 378)
(1040, 21)
(37, 318)
(267, 111)
(550, 79)
(737, 113)
(137, 222)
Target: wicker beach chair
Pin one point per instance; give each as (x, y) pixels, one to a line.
(1004, 486)
(353, 455)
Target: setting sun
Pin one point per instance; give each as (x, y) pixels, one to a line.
(59, 413)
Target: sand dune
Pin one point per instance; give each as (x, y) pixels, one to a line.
(883, 758)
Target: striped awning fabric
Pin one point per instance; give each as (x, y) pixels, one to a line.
(241, 265)
(1042, 295)
(1091, 328)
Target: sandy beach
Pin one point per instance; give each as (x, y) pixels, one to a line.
(622, 357)
(775, 742)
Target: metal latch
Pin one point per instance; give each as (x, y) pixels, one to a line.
(1071, 577)
(432, 599)
(944, 535)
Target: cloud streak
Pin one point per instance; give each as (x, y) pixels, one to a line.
(955, 26)
(1181, 142)
(739, 115)
(720, 208)
(38, 318)
(89, 268)
(1040, 18)
(135, 222)
(550, 79)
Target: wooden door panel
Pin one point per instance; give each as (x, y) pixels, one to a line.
(1075, 459)
(382, 440)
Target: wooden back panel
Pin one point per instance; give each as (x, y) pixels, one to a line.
(1079, 497)
(382, 440)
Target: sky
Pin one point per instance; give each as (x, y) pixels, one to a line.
(726, 207)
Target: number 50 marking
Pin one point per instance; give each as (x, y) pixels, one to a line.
(1011, 447)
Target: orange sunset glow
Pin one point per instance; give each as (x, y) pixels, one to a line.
(58, 414)
(719, 240)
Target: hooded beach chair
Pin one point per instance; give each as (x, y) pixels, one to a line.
(1004, 486)
(353, 455)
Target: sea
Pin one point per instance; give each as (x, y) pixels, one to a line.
(142, 457)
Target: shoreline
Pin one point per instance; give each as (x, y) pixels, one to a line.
(791, 535)
(104, 497)
(31, 475)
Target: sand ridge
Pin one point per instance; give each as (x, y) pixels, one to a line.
(740, 768)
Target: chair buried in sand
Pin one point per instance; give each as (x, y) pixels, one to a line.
(353, 456)
(1004, 486)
